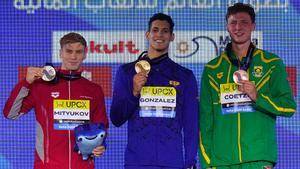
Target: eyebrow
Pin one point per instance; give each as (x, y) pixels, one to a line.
(160, 28)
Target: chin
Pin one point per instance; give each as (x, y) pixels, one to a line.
(240, 41)
(74, 67)
(161, 49)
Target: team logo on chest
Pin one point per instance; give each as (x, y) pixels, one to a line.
(257, 71)
(220, 75)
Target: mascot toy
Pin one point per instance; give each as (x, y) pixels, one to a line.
(88, 137)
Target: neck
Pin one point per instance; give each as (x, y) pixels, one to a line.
(75, 70)
(240, 49)
(152, 54)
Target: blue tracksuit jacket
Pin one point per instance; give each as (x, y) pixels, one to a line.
(158, 141)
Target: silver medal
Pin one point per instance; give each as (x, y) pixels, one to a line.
(49, 73)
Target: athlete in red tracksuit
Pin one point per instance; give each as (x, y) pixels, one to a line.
(59, 105)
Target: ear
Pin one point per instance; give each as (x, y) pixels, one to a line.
(253, 26)
(147, 34)
(85, 52)
(172, 37)
(60, 53)
(226, 27)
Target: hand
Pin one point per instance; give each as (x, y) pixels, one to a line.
(139, 81)
(248, 88)
(98, 151)
(33, 73)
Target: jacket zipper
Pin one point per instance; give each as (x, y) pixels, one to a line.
(239, 126)
(70, 160)
(69, 132)
(239, 137)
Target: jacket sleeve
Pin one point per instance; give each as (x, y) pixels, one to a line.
(99, 113)
(19, 102)
(124, 103)
(206, 120)
(279, 100)
(190, 118)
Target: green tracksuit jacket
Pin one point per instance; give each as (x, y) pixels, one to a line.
(239, 137)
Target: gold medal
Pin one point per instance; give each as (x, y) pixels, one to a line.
(142, 66)
(49, 73)
(240, 75)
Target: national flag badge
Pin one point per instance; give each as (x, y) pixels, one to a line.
(257, 71)
(174, 83)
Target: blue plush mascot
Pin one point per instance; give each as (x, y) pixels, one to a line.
(88, 137)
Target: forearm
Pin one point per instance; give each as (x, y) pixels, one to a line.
(278, 106)
(191, 116)
(18, 102)
(277, 98)
(122, 109)
(206, 119)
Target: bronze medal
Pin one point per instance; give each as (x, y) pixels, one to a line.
(240, 75)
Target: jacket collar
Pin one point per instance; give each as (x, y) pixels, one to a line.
(69, 74)
(144, 56)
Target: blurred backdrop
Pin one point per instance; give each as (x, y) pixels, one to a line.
(114, 29)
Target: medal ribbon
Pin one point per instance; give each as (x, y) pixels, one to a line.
(235, 61)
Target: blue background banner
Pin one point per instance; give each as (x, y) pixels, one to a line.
(30, 31)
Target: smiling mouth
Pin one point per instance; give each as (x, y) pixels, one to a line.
(239, 34)
(90, 137)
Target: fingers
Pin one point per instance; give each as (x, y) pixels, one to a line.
(248, 88)
(33, 73)
(246, 85)
(141, 76)
(139, 81)
(98, 151)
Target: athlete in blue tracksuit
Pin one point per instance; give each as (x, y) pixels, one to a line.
(161, 107)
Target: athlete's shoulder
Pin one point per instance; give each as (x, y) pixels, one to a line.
(179, 68)
(217, 61)
(89, 83)
(127, 66)
(265, 56)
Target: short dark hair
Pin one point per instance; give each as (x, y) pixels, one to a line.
(241, 7)
(162, 17)
(72, 37)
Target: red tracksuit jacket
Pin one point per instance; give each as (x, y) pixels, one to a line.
(54, 148)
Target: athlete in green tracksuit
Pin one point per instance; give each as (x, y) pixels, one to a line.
(237, 119)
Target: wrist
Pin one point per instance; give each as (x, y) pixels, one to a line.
(135, 93)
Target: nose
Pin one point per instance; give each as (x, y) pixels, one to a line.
(238, 26)
(73, 55)
(160, 33)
